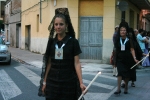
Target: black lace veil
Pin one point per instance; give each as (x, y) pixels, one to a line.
(59, 12)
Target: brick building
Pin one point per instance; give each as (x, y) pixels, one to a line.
(13, 22)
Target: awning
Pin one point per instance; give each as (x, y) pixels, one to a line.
(141, 4)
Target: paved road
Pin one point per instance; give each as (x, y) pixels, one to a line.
(14, 85)
(20, 82)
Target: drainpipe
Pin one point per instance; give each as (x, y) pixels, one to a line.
(40, 11)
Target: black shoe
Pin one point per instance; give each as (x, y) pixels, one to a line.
(117, 93)
(123, 85)
(132, 84)
(126, 91)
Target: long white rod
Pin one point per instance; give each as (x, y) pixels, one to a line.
(89, 85)
(141, 60)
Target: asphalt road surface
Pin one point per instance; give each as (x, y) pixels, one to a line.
(21, 81)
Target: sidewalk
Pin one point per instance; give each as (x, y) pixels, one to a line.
(27, 57)
(34, 59)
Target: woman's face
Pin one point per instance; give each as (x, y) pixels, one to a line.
(60, 25)
(123, 31)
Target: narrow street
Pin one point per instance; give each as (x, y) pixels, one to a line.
(20, 82)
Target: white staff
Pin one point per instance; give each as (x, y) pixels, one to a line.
(141, 60)
(89, 85)
(145, 57)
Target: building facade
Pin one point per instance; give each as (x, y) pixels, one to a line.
(93, 21)
(2, 11)
(13, 22)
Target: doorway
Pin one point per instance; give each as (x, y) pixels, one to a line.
(27, 37)
(91, 40)
(18, 36)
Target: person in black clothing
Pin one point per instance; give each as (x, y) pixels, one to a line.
(139, 54)
(63, 75)
(125, 56)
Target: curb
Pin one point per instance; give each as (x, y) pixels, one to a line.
(103, 71)
(21, 61)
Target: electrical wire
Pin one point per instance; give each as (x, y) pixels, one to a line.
(33, 7)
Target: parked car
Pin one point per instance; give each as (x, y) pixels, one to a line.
(5, 55)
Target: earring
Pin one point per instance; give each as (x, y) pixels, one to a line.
(66, 29)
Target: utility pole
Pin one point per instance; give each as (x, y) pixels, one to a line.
(40, 11)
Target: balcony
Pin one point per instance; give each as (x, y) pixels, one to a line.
(141, 4)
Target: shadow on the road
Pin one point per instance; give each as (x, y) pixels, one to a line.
(13, 63)
(2, 63)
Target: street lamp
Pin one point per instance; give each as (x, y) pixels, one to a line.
(123, 6)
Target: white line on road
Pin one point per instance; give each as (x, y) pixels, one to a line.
(104, 76)
(99, 84)
(8, 88)
(99, 96)
(33, 77)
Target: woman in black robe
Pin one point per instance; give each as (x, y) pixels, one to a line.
(62, 77)
(125, 56)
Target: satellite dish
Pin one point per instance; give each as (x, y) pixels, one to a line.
(122, 5)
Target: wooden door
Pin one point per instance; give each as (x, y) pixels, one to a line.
(90, 39)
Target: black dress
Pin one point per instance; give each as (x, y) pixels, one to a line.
(62, 81)
(124, 59)
(138, 53)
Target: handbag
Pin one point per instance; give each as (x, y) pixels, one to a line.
(112, 58)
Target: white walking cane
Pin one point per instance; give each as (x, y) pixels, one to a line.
(141, 60)
(89, 85)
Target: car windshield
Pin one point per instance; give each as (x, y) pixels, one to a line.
(1, 41)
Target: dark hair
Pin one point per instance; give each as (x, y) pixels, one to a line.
(133, 37)
(61, 16)
(148, 33)
(122, 24)
(141, 30)
(144, 33)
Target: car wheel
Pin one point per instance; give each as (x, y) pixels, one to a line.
(9, 62)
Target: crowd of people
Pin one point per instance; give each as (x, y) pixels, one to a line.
(130, 47)
(61, 77)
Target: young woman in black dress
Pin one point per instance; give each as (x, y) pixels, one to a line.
(63, 75)
(125, 56)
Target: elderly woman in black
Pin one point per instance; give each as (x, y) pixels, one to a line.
(139, 54)
(63, 75)
(125, 56)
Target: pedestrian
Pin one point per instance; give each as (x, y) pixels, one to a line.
(125, 56)
(148, 33)
(141, 40)
(113, 53)
(1, 40)
(63, 75)
(138, 53)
